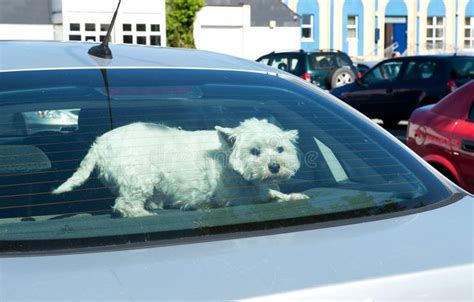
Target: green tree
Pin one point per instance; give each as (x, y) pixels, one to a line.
(180, 16)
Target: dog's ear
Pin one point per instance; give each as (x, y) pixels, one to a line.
(226, 135)
(292, 135)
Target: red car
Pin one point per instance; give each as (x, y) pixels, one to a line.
(443, 134)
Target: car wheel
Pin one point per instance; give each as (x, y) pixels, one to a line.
(341, 77)
(390, 122)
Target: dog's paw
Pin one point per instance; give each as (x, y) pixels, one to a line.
(297, 196)
(134, 212)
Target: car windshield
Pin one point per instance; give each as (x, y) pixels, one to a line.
(215, 143)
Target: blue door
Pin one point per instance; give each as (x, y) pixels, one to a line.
(400, 36)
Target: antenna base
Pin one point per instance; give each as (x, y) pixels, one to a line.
(101, 51)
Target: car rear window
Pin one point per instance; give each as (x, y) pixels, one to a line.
(345, 167)
(291, 63)
(462, 68)
(328, 60)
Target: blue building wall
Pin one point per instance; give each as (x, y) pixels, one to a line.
(436, 8)
(470, 9)
(353, 8)
(394, 8)
(310, 7)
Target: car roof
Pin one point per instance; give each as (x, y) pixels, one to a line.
(40, 55)
(430, 57)
(457, 103)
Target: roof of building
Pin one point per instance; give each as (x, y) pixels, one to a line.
(264, 11)
(25, 12)
(34, 55)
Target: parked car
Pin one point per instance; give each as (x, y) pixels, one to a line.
(326, 68)
(392, 89)
(443, 134)
(378, 222)
(364, 66)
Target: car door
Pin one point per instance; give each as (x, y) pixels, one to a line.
(463, 147)
(376, 98)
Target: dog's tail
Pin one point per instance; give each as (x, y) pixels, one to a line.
(81, 175)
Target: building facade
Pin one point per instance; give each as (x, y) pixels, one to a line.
(246, 28)
(138, 22)
(374, 29)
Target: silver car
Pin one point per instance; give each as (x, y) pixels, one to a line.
(379, 223)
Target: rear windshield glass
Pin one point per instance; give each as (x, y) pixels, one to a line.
(97, 158)
(462, 68)
(328, 60)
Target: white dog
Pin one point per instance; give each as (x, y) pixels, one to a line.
(150, 166)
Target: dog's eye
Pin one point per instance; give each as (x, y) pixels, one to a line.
(280, 149)
(255, 151)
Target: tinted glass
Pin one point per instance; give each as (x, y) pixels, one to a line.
(328, 60)
(212, 150)
(462, 68)
(288, 62)
(421, 70)
(384, 72)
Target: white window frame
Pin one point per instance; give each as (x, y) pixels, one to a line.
(434, 26)
(353, 26)
(352, 42)
(309, 26)
(87, 33)
(147, 33)
(469, 39)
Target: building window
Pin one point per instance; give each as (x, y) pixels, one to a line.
(469, 33)
(141, 27)
(104, 27)
(141, 40)
(127, 27)
(74, 37)
(435, 33)
(128, 39)
(90, 27)
(307, 27)
(155, 40)
(155, 27)
(352, 27)
(74, 27)
(90, 38)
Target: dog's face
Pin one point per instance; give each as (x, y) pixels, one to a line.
(260, 151)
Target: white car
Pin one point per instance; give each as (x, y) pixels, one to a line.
(379, 224)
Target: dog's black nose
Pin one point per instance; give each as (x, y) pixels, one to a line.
(274, 167)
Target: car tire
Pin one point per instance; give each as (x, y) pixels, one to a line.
(341, 77)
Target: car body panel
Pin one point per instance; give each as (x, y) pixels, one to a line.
(439, 134)
(407, 255)
(71, 55)
(305, 264)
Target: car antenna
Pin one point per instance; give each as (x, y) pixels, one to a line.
(103, 50)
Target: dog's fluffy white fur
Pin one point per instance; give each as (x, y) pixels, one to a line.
(148, 166)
